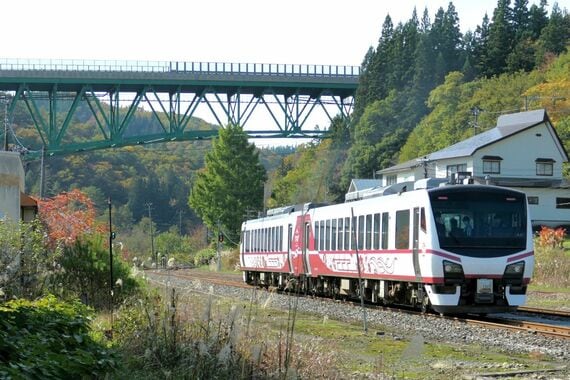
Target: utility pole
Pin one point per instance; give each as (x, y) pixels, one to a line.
(42, 170)
(111, 262)
(152, 253)
(5, 124)
(219, 249)
(424, 162)
(475, 111)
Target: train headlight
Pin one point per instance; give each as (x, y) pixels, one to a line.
(515, 270)
(452, 268)
(452, 273)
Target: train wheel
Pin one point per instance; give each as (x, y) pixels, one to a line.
(425, 305)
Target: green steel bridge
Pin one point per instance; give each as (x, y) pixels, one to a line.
(50, 92)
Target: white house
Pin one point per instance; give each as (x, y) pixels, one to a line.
(11, 185)
(522, 152)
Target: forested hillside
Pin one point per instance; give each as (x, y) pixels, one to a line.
(426, 85)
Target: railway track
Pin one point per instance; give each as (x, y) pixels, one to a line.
(524, 324)
(556, 331)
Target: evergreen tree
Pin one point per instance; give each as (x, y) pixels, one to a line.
(520, 20)
(500, 39)
(556, 34)
(537, 19)
(231, 182)
(480, 44)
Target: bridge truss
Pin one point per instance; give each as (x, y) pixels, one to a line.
(51, 93)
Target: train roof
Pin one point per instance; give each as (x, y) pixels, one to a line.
(429, 184)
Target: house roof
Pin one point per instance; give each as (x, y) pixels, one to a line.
(27, 201)
(507, 125)
(361, 184)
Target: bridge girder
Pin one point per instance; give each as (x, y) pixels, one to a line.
(173, 100)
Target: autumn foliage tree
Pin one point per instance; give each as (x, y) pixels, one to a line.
(67, 216)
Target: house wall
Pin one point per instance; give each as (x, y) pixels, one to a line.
(441, 165)
(519, 153)
(545, 212)
(11, 184)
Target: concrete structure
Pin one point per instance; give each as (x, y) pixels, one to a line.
(11, 185)
(522, 152)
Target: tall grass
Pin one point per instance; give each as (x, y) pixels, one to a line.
(552, 259)
(177, 334)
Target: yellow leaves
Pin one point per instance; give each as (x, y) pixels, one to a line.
(554, 93)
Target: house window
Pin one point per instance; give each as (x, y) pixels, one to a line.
(562, 202)
(455, 169)
(532, 200)
(544, 166)
(492, 164)
(391, 179)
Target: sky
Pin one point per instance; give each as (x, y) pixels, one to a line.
(253, 31)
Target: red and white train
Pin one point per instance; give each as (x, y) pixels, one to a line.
(452, 248)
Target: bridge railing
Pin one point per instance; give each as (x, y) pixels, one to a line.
(178, 67)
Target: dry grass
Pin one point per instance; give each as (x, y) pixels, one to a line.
(552, 267)
(185, 335)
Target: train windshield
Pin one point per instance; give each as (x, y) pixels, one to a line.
(480, 222)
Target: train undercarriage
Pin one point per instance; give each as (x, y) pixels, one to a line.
(381, 292)
(386, 292)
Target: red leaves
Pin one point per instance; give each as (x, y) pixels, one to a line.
(550, 237)
(67, 216)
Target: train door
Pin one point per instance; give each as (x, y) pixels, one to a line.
(289, 241)
(306, 236)
(416, 242)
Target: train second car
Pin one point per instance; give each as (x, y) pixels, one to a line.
(453, 248)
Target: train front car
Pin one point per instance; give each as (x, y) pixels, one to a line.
(482, 244)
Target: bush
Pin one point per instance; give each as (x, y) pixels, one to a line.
(85, 273)
(552, 261)
(550, 237)
(204, 256)
(26, 263)
(49, 339)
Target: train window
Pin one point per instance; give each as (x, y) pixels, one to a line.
(290, 237)
(247, 241)
(385, 230)
(340, 234)
(368, 243)
(376, 232)
(258, 240)
(423, 219)
(317, 235)
(328, 235)
(402, 229)
(360, 232)
(346, 234)
(322, 235)
(280, 239)
(333, 235)
(273, 239)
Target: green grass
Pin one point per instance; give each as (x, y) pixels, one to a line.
(394, 353)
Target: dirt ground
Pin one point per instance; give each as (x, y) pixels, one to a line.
(549, 300)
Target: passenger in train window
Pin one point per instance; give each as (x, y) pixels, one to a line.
(467, 227)
(455, 230)
(439, 224)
